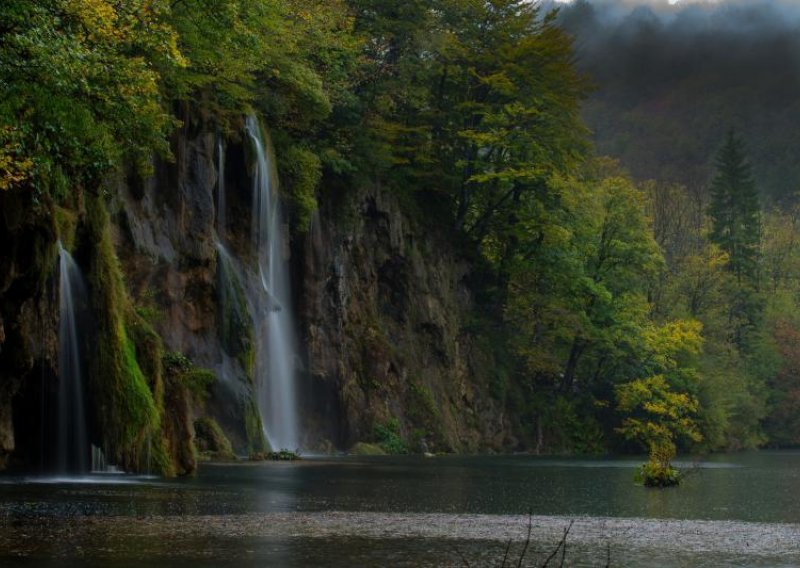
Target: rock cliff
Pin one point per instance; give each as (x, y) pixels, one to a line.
(382, 304)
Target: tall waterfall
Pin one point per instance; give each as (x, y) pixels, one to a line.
(260, 286)
(72, 454)
(275, 355)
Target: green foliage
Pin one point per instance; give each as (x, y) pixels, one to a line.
(578, 289)
(735, 210)
(477, 102)
(283, 455)
(656, 417)
(302, 171)
(570, 426)
(87, 93)
(388, 436)
(625, 311)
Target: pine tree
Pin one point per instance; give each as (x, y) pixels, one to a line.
(735, 210)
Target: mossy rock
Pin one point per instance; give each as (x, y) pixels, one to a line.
(126, 402)
(198, 380)
(367, 449)
(211, 441)
(235, 327)
(257, 445)
(66, 224)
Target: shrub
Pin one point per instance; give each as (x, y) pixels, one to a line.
(388, 436)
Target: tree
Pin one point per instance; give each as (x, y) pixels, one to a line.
(78, 89)
(657, 417)
(735, 210)
(474, 103)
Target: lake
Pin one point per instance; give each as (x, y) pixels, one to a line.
(733, 509)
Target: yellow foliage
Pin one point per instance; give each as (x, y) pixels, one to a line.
(98, 17)
(14, 168)
(657, 415)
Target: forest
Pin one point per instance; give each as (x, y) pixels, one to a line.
(630, 301)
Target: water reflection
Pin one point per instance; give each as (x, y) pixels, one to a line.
(85, 518)
(749, 487)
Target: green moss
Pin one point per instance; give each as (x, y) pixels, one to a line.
(257, 446)
(367, 449)
(197, 380)
(235, 328)
(38, 251)
(147, 309)
(128, 417)
(423, 411)
(211, 441)
(302, 171)
(66, 225)
(149, 353)
(187, 384)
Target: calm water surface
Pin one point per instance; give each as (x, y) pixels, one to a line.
(82, 522)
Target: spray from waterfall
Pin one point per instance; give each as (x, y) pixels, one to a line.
(72, 453)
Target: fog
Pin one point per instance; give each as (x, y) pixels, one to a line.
(670, 79)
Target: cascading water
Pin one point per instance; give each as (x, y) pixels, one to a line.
(275, 354)
(261, 287)
(72, 454)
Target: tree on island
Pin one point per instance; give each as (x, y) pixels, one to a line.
(657, 416)
(661, 408)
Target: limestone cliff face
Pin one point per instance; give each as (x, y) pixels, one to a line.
(384, 306)
(382, 309)
(166, 239)
(381, 304)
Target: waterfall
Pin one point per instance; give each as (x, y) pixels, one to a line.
(275, 354)
(257, 288)
(72, 441)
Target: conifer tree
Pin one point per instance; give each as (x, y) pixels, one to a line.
(735, 210)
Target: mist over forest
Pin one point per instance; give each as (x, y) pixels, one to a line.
(670, 80)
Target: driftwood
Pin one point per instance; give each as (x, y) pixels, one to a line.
(560, 547)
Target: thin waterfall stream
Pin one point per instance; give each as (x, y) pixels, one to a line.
(72, 454)
(265, 284)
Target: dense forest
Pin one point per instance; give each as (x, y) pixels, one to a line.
(621, 312)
